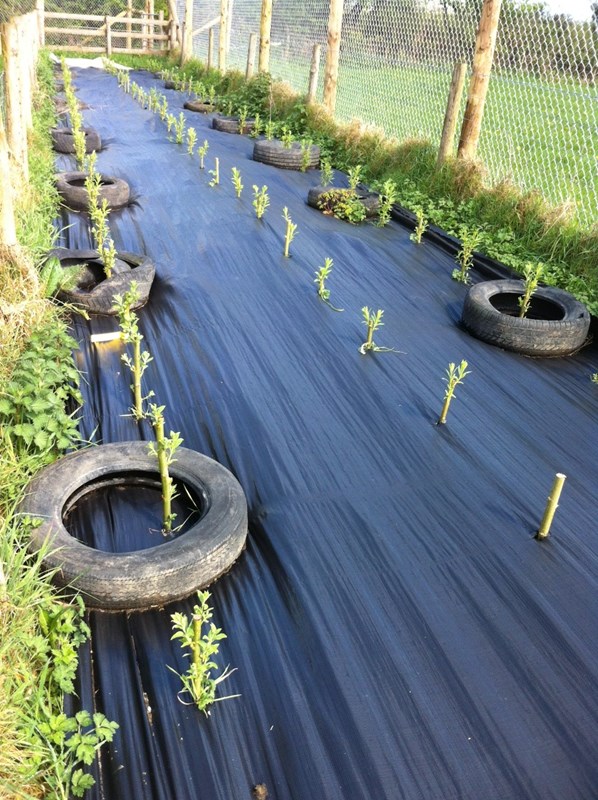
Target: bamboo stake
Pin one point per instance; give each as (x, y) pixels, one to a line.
(210, 48)
(251, 56)
(551, 505)
(222, 37)
(335, 22)
(452, 112)
(314, 71)
(265, 28)
(478, 86)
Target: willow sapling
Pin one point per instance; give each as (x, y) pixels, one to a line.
(373, 320)
(163, 109)
(325, 172)
(354, 175)
(215, 173)
(261, 201)
(305, 154)
(454, 376)
(269, 130)
(322, 274)
(387, 199)
(191, 140)
(179, 129)
(421, 223)
(202, 647)
(201, 152)
(257, 127)
(594, 377)
(243, 114)
(236, 179)
(470, 240)
(212, 94)
(130, 334)
(170, 123)
(164, 448)
(286, 137)
(290, 232)
(531, 274)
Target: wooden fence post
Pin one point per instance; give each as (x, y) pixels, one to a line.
(16, 133)
(210, 48)
(251, 56)
(314, 71)
(453, 104)
(129, 28)
(108, 23)
(174, 18)
(222, 37)
(265, 28)
(187, 48)
(160, 30)
(480, 77)
(24, 76)
(8, 230)
(335, 22)
(39, 7)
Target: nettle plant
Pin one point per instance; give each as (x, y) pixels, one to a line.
(236, 179)
(201, 152)
(470, 241)
(201, 639)
(454, 376)
(322, 274)
(421, 224)
(343, 204)
(130, 334)
(531, 277)
(261, 201)
(373, 321)
(164, 449)
(290, 231)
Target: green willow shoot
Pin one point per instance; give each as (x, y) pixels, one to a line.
(201, 152)
(286, 137)
(387, 200)
(170, 123)
(373, 321)
(200, 637)
(454, 376)
(322, 274)
(325, 172)
(421, 225)
(243, 114)
(269, 130)
(191, 140)
(179, 129)
(215, 173)
(531, 275)
(470, 240)
(236, 179)
(261, 201)
(164, 448)
(257, 127)
(354, 174)
(290, 232)
(130, 334)
(305, 154)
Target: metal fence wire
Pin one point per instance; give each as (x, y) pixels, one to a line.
(540, 126)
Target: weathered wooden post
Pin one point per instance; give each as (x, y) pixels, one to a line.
(161, 29)
(210, 48)
(314, 71)
(175, 26)
(222, 36)
(453, 104)
(265, 28)
(335, 23)
(16, 133)
(129, 29)
(39, 7)
(478, 86)
(108, 24)
(8, 230)
(251, 55)
(24, 74)
(187, 48)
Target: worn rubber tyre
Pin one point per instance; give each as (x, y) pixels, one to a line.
(369, 200)
(231, 125)
(145, 578)
(71, 186)
(62, 106)
(273, 152)
(556, 325)
(93, 291)
(200, 106)
(170, 85)
(63, 142)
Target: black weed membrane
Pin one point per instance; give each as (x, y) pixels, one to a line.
(396, 630)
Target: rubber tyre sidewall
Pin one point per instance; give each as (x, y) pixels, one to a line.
(146, 578)
(274, 153)
(369, 200)
(62, 140)
(200, 106)
(532, 337)
(231, 125)
(116, 193)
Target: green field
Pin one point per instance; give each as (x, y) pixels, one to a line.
(538, 133)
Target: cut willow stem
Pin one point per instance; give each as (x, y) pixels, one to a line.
(164, 476)
(551, 505)
(197, 653)
(137, 380)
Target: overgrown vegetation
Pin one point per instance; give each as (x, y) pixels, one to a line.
(44, 752)
(514, 226)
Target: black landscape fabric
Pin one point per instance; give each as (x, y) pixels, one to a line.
(396, 630)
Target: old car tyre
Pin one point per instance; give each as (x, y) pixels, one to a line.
(71, 186)
(63, 142)
(369, 200)
(556, 325)
(231, 124)
(273, 152)
(200, 106)
(94, 292)
(145, 578)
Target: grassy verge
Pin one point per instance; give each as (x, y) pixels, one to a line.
(515, 227)
(39, 632)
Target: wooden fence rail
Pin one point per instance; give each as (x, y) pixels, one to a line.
(109, 31)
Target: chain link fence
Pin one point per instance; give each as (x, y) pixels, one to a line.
(540, 127)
